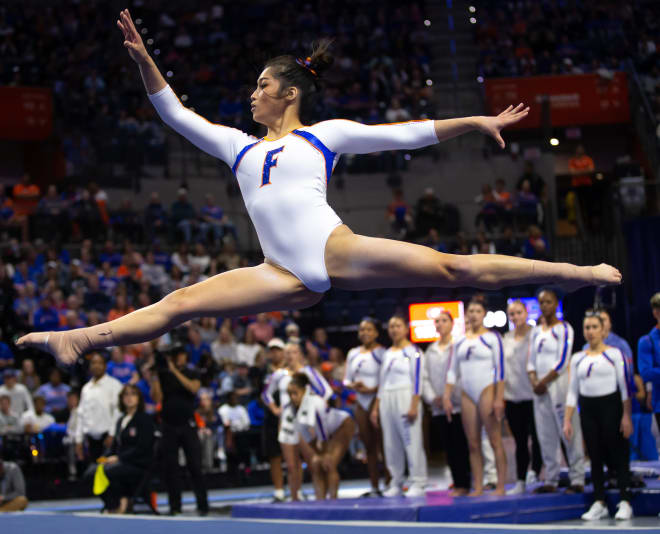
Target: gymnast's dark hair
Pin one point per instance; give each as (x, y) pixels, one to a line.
(305, 74)
(300, 380)
(480, 300)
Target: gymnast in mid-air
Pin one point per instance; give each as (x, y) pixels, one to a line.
(283, 178)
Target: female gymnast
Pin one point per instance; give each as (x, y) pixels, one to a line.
(283, 179)
(448, 430)
(287, 435)
(326, 432)
(478, 359)
(398, 410)
(362, 375)
(518, 394)
(598, 383)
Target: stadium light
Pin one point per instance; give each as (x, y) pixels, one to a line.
(472, 9)
(427, 23)
(429, 82)
(480, 79)
(473, 20)
(150, 41)
(554, 141)
(169, 74)
(184, 98)
(138, 21)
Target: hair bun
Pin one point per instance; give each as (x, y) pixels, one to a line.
(321, 59)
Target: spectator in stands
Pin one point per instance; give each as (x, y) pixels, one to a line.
(12, 488)
(537, 184)
(120, 308)
(483, 245)
(119, 368)
(155, 217)
(35, 421)
(247, 350)
(208, 430)
(262, 329)
(6, 357)
(69, 440)
(648, 357)
(181, 258)
(153, 272)
(176, 387)
(292, 333)
(508, 244)
(182, 215)
(241, 383)
(200, 258)
(224, 348)
(399, 215)
(526, 209)
(229, 258)
(46, 316)
(9, 419)
(320, 343)
(536, 246)
(26, 198)
(433, 240)
(504, 201)
(97, 412)
(86, 217)
(208, 329)
(95, 297)
(28, 376)
(236, 422)
(196, 347)
(428, 213)
(53, 213)
(488, 216)
(55, 393)
(21, 400)
(581, 167)
(214, 218)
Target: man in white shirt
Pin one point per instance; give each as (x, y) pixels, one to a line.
(21, 400)
(236, 423)
(9, 421)
(34, 421)
(98, 410)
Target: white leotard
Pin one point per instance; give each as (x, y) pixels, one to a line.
(364, 367)
(517, 386)
(284, 182)
(480, 363)
(437, 361)
(316, 420)
(550, 349)
(401, 369)
(277, 381)
(597, 375)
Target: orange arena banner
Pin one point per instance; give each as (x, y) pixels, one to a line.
(26, 113)
(422, 316)
(574, 99)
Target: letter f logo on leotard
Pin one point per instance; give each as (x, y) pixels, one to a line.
(269, 162)
(469, 352)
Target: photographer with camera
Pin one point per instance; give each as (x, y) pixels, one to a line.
(175, 386)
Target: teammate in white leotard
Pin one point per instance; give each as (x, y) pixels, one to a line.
(324, 430)
(283, 179)
(479, 359)
(362, 376)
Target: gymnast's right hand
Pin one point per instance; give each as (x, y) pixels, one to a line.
(132, 40)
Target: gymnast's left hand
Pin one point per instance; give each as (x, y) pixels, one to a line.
(626, 426)
(412, 413)
(493, 125)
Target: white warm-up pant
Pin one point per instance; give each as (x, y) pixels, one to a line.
(549, 420)
(401, 439)
(490, 471)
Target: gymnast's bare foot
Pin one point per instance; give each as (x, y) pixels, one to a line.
(596, 275)
(66, 346)
(476, 493)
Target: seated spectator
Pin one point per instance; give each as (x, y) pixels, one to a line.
(226, 380)
(229, 258)
(199, 258)
(6, 357)
(224, 347)
(504, 201)
(181, 258)
(247, 350)
(182, 215)
(25, 304)
(120, 308)
(395, 113)
(10, 421)
(131, 452)
(320, 342)
(55, 393)
(28, 376)
(53, 214)
(483, 245)
(119, 368)
(126, 221)
(509, 244)
(12, 488)
(35, 421)
(86, 217)
(428, 213)
(25, 200)
(581, 168)
(536, 246)
(262, 329)
(153, 272)
(46, 317)
(214, 218)
(95, 299)
(195, 346)
(433, 240)
(488, 216)
(155, 217)
(526, 205)
(537, 184)
(208, 329)
(21, 400)
(398, 213)
(7, 218)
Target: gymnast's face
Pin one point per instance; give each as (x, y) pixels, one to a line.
(592, 328)
(548, 303)
(397, 329)
(475, 315)
(367, 333)
(268, 102)
(295, 394)
(443, 324)
(517, 313)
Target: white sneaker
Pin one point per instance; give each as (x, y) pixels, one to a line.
(624, 512)
(597, 511)
(517, 489)
(415, 491)
(531, 478)
(392, 491)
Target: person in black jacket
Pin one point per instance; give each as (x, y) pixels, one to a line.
(131, 452)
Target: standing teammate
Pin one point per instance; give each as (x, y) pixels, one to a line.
(448, 430)
(479, 360)
(283, 179)
(518, 395)
(549, 359)
(599, 384)
(398, 409)
(362, 375)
